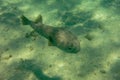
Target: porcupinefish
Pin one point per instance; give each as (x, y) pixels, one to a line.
(57, 36)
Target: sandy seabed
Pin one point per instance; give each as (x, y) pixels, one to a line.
(28, 57)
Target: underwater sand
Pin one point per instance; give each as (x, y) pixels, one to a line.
(28, 57)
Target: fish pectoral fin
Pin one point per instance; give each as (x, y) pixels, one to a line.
(50, 44)
(38, 19)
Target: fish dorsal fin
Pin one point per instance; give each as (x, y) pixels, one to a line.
(38, 19)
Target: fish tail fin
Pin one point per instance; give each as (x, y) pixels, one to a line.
(24, 20)
(39, 19)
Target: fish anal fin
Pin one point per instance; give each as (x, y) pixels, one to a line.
(50, 41)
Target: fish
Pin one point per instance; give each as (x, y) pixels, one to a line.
(57, 36)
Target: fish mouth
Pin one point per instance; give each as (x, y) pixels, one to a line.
(76, 51)
(73, 50)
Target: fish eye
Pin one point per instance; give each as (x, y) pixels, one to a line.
(69, 48)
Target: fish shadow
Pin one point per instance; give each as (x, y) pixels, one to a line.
(115, 70)
(111, 5)
(79, 22)
(29, 66)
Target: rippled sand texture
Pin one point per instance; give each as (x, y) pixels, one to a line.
(25, 55)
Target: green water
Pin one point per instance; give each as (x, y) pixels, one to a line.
(26, 56)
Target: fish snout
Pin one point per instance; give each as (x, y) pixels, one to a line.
(73, 47)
